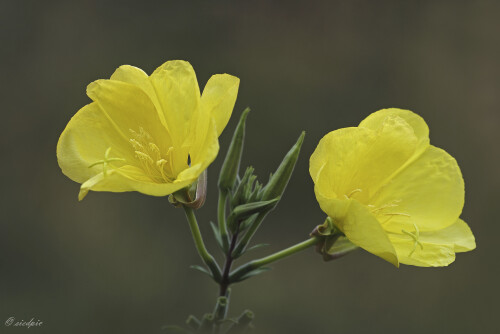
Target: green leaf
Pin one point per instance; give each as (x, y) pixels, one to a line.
(246, 210)
(247, 222)
(231, 164)
(255, 247)
(252, 273)
(215, 230)
(202, 269)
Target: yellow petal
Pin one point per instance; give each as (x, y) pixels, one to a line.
(137, 77)
(130, 178)
(359, 160)
(437, 248)
(129, 109)
(417, 123)
(430, 191)
(85, 140)
(430, 255)
(178, 93)
(458, 234)
(359, 225)
(205, 149)
(219, 97)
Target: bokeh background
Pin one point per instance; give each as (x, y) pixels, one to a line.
(119, 263)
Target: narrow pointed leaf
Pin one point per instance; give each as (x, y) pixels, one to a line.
(252, 273)
(247, 222)
(246, 210)
(217, 236)
(200, 268)
(256, 247)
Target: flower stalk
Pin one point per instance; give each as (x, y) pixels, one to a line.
(207, 258)
(240, 272)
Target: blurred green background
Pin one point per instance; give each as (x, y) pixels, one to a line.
(119, 263)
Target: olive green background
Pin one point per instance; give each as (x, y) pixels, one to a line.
(119, 263)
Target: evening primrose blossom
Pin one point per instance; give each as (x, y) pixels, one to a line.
(391, 192)
(152, 134)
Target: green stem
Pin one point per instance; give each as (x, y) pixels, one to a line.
(252, 265)
(221, 217)
(200, 245)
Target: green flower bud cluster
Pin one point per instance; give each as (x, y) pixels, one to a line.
(249, 200)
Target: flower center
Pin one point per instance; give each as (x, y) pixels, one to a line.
(156, 164)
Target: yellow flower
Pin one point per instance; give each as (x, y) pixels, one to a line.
(153, 134)
(391, 192)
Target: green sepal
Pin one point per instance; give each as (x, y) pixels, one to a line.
(326, 229)
(246, 210)
(252, 273)
(192, 196)
(231, 164)
(335, 248)
(238, 194)
(257, 190)
(333, 243)
(248, 188)
(279, 180)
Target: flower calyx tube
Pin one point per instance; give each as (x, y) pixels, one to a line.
(193, 196)
(332, 242)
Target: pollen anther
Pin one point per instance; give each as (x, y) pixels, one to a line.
(155, 163)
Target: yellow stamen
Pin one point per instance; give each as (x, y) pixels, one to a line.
(354, 192)
(155, 163)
